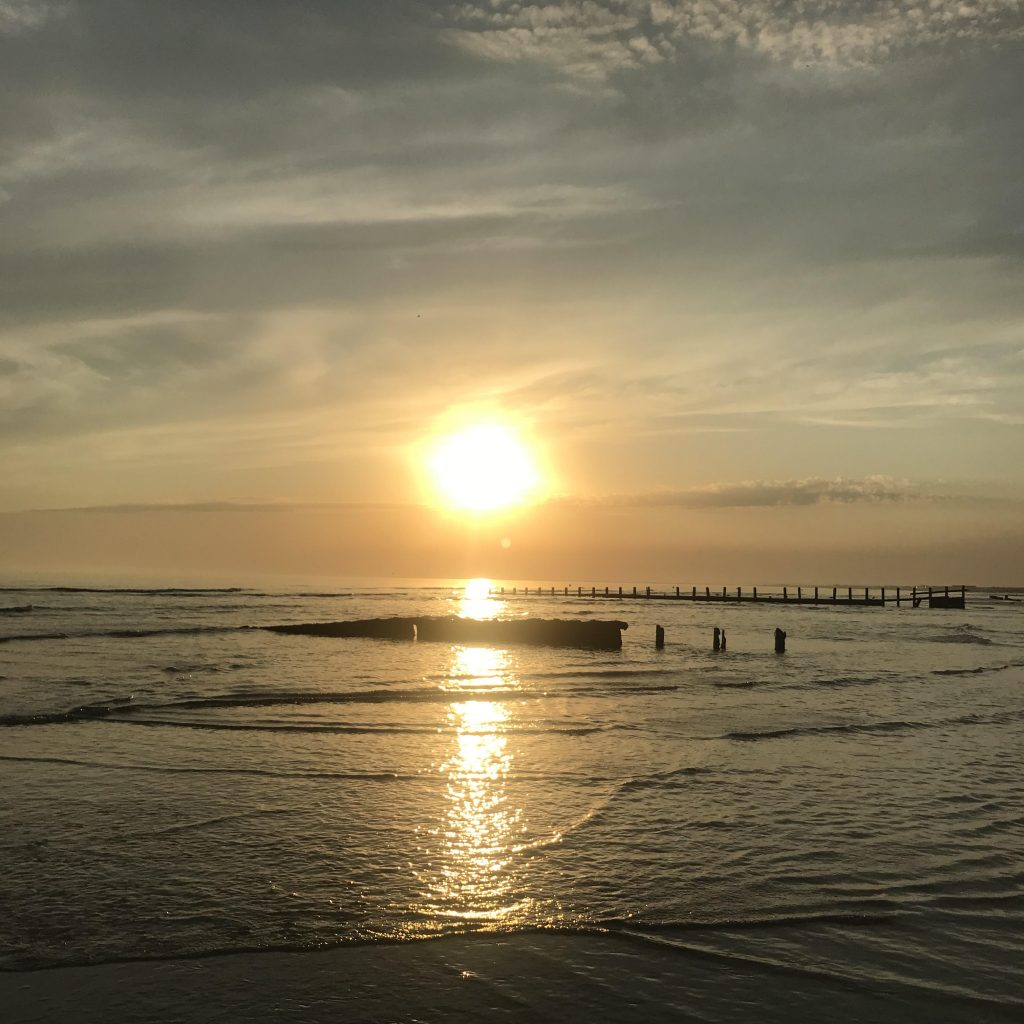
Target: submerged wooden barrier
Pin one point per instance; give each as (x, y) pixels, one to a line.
(603, 634)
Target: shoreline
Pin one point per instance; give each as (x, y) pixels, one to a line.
(526, 976)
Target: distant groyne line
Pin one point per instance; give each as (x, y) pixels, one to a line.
(840, 596)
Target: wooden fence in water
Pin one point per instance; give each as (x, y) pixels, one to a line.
(845, 596)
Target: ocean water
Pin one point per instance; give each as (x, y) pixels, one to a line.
(847, 818)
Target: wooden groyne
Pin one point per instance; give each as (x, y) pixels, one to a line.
(845, 596)
(595, 634)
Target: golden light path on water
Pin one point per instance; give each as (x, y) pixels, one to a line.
(473, 874)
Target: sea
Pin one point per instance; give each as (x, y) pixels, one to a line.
(201, 819)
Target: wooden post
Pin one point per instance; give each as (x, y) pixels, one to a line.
(694, 593)
(780, 641)
(898, 597)
(739, 593)
(677, 591)
(785, 593)
(648, 591)
(866, 596)
(593, 591)
(634, 591)
(724, 591)
(947, 594)
(659, 637)
(620, 591)
(849, 593)
(755, 593)
(800, 593)
(579, 591)
(707, 593)
(834, 595)
(605, 591)
(883, 597)
(815, 595)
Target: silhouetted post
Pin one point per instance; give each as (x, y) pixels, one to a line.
(694, 593)
(800, 594)
(707, 593)
(947, 594)
(659, 637)
(815, 595)
(898, 598)
(834, 595)
(785, 593)
(593, 591)
(883, 597)
(634, 591)
(648, 591)
(716, 643)
(605, 591)
(867, 596)
(620, 591)
(677, 591)
(849, 593)
(780, 641)
(739, 593)
(929, 597)
(723, 639)
(755, 593)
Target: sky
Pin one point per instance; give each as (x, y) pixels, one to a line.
(747, 276)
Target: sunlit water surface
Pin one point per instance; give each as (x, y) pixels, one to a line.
(176, 785)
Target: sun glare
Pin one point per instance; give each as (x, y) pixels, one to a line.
(484, 468)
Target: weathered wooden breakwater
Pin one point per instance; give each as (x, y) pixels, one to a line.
(845, 596)
(596, 634)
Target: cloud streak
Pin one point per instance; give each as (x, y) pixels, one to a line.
(874, 490)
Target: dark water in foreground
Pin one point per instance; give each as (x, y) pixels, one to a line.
(852, 812)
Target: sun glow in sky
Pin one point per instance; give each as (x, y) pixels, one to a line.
(484, 467)
(723, 300)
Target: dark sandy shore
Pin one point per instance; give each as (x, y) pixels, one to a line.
(535, 977)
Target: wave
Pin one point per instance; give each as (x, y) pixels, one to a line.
(124, 634)
(977, 670)
(849, 681)
(206, 770)
(124, 590)
(18, 609)
(873, 727)
(962, 636)
(288, 698)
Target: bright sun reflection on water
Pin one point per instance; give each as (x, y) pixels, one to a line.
(476, 601)
(474, 876)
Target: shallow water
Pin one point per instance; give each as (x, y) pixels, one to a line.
(178, 785)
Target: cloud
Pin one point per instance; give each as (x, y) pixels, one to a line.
(594, 40)
(774, 494)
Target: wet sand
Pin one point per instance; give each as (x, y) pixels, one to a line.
(534, 977)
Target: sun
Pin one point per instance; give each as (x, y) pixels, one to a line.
(484, 467)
